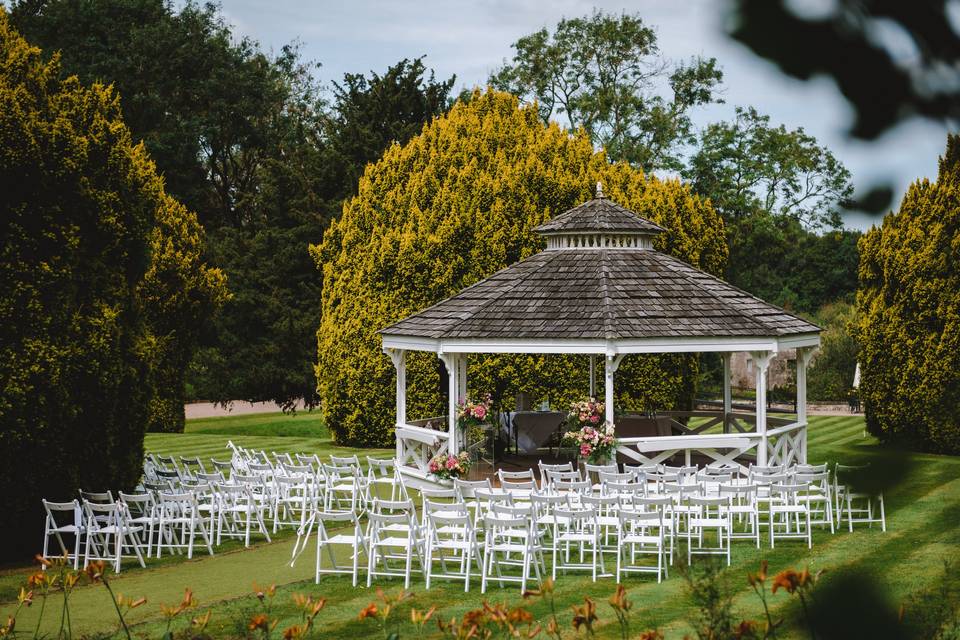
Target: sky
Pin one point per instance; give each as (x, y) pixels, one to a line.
(472, 38)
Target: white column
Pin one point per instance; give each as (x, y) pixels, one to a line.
(452, 363)
(761, 361)
(611, 364)
(727, 396)
(462, 377)
(804, 355)
(593, 376)
(399, 359)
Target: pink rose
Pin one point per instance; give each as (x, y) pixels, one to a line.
(480, 412)
(585, 450)
(594, 419)
(451, 463)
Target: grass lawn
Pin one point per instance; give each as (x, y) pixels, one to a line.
(923, 512)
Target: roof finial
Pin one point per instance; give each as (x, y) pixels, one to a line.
(599, 189)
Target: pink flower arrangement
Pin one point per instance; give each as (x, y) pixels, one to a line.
(585, 413)
(445, 466)
(595, 444)
(472, 414)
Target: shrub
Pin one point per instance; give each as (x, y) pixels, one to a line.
(909, 315)
(90, 247)
(449, 208)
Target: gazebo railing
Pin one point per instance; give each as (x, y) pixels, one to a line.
(783, 443)
(717, 437)
(416, 445)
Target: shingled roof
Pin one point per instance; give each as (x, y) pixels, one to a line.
(600, 293)
(599, 214)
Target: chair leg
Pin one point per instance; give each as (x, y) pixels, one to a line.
(883, 515)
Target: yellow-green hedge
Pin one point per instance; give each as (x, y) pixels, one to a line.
(909, 315)
(449, 208)
(101, 287)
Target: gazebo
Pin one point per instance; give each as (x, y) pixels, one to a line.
(601, 289)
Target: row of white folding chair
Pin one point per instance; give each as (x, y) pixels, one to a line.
(100, 531)
(214, 510)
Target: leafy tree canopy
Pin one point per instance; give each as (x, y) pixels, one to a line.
(249, 141)
(450, 207)
(747, 167)
(604, 73)
(371, 114)
(909, 315)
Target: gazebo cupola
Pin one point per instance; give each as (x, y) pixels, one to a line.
(599, 224)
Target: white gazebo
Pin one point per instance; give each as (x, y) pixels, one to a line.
(601, 289)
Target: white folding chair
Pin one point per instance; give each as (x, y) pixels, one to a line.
(344, 489)
(592, 472)
(191, 466)
(743, 511)
(818, 496)
(109, 534)
(382, 472)
(392, 537)
(607, 522)
(239, 511)
(293, 499)
(352, 537)
(466, 492)
(668, 517)
(576, 533)
(509, 532)
(178, 522)
(224, 468)
(450, 537)
(789, 517)
(526, 474)
(708, 515)
(641, 533)
(857, 506)
(566, 467)
(141, 510)
(63, 518)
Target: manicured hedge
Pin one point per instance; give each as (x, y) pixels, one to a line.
(909, 315)
(101, 283)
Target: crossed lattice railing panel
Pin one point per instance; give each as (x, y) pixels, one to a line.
(417, 445)
(786, 445)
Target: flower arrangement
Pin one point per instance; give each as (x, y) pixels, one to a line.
(446, 466)
(472, 414)
(595, 443)
(586, 413)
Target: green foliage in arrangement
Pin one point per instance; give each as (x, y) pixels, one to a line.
(909, 315)
(449, 208)
(102, 282)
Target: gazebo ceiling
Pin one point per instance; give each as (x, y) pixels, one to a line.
(602, 291)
